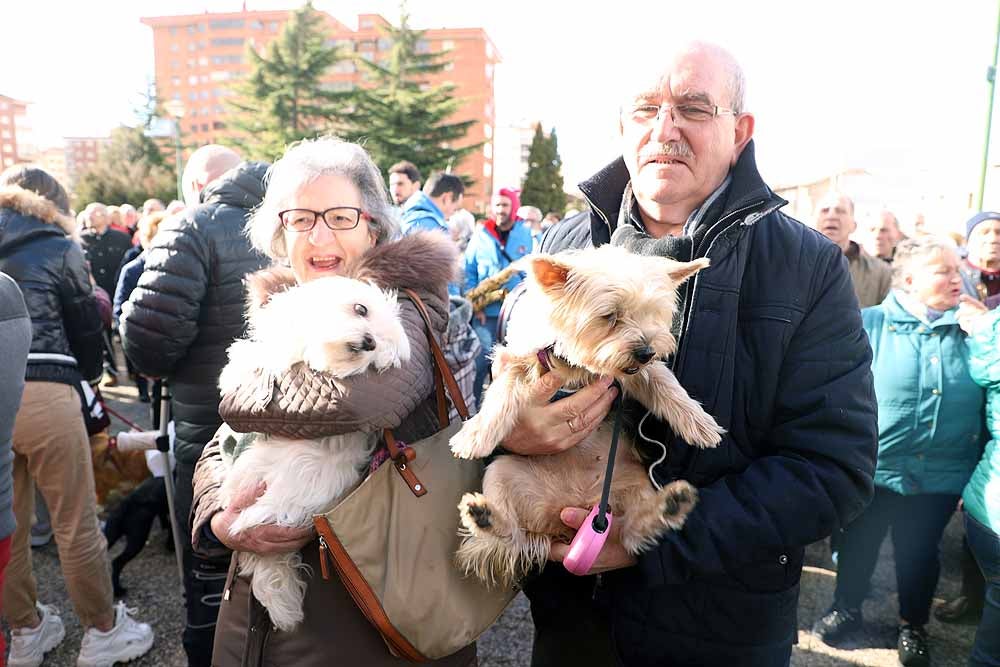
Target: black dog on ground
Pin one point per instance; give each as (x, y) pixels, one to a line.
(133, 519)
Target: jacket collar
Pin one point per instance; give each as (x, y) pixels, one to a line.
(899, 314)
(605, 189)
(33, 205)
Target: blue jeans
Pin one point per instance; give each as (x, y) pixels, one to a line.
(487, 334)
(917, 523)
(985, 545)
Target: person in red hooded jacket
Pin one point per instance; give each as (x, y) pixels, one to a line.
(499, 241)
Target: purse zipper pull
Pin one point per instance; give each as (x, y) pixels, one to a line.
(324, 554)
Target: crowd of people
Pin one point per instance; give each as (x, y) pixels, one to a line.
(856, 373)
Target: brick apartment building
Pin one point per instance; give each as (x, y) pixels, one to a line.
(12, 126)
(81, 154)
(198, 57)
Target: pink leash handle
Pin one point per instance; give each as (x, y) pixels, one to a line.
(587, 544)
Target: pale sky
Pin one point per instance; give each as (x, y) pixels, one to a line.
(890, 85)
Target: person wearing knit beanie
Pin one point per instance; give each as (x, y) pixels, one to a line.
(981, 273)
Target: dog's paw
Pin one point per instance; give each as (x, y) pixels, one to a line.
(474, 509)
(468, 443)
(677, 499)
(702, 431)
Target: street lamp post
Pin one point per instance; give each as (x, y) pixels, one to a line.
(176, 109)
(991, 75)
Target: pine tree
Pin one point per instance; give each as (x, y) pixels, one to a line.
(130, 169)
(543, 184)
(400, 116)
(282, 99)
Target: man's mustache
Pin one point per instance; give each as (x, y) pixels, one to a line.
(670, 149)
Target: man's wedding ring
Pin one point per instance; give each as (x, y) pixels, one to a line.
(569, 422)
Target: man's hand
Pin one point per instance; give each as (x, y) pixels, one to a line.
(550, 428)
(480, 317)
(613, 555)
(264, 540)
(969, 312)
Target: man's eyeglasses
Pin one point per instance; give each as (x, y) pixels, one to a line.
(686, 113)
(338, 218)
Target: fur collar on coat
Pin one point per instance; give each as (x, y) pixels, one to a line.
(34, 205)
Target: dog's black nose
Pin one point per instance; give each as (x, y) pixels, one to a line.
(367, 343)
(643, 354)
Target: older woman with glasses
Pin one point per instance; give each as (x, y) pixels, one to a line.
(930, 415)
(326, 211)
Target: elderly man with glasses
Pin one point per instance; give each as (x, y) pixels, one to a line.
(769, 340)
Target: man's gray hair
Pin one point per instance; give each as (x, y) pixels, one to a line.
(911, 255)
(302, 164)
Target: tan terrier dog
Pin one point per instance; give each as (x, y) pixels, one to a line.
(592, 313)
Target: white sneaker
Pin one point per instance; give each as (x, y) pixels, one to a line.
(28, 646)
(128, 640)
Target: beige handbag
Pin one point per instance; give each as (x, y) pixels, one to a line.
(392, 541)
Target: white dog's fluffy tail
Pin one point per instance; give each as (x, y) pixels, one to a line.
(278, 583)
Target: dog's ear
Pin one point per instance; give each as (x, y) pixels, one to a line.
(549, 272)
(681, 271)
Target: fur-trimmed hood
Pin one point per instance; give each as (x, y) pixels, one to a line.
(35, 206)
(424, 262)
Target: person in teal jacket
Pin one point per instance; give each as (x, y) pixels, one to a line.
(981, 497)
(495, 244)
(930, 439)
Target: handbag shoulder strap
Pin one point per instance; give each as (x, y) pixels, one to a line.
(443, 380)
(441, 368)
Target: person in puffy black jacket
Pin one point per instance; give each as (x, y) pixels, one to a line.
(178, 323)
(769, 341)
(51, 449)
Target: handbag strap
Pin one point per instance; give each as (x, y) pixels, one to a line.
(444, 380)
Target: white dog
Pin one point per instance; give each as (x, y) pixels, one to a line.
(337, 326)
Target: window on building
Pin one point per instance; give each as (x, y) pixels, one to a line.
(449, 66)
(4, 120)
(447, 45)
(175, 64)
(488, 130)
(175, 81)
(191, 63)
(366, 24)
(192, 46)
(172, 30)
(204, 94)
(384, 44)
(487, 169)
(5, 134)
(256, 25)
(204, 127)
(338, 86)
(177, 96)
(423, 46)
(227, 41)
(218, 125)
(226, 24)
(489, 71)
(488, 150)
(203, 61)
(194, 113)
(190, 29)
(193, 80)
(273, 26)
(345, 67)
(175, 47)
(366, 45)
(194, 127)
(193, 96)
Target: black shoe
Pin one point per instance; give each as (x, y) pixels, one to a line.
(960, 610)
(144, 398)
(912, 646)
(837, 625)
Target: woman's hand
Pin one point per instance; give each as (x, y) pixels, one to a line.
(613, 555)
(969, 312)
(263, 540)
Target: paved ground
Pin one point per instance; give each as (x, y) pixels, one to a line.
(155, 592)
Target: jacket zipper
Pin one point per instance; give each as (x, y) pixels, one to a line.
(685, 316)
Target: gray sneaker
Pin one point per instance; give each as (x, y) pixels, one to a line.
(28, 646)
(127, 640)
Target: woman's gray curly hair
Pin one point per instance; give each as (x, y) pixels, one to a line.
(302, 164)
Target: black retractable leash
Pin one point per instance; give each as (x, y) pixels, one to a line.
(590, 538)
